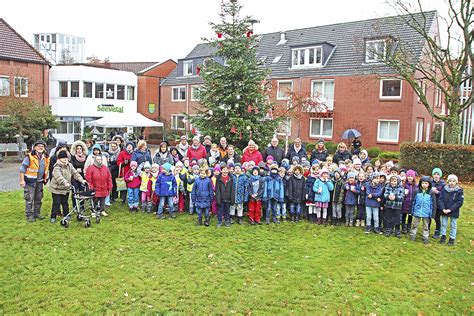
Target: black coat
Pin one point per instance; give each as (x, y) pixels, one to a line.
(451, 201)
(296, 189)
(292, 153)
(320, 155)
(338, 156)
(276, 152)
(236, 158)
(224, 192)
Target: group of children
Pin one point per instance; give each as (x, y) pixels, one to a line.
(379, 197)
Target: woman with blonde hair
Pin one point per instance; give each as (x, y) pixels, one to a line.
(341, 153)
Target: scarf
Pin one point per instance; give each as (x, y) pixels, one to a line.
(81, 157)
(97, 164)
(215, 154)
(163, 155)
(298, 176)
(114, 154)
(195, 147)
(183, 148)
(449, 189)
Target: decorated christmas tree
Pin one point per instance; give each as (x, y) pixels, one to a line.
(233, 100)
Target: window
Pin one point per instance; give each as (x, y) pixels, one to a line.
(423, 87)
(391, 89)
(4, 86)
(284, 128)
(284, 87)
(99, 90)
(61, 39)
(388, 131)
(130, 93)
(53, 38)
(419, 130)
(375, 51)
(87, 89)
(177, 122)
(438, 97)
(74, 93)
(324, 91)
(21, 87)
(276, 59)
(187, 68)
(320, 128)
(110, 92)
(311, 56)
(178, 94)
(63, 89)
(195, 90)
(120, 92)
(428, 131)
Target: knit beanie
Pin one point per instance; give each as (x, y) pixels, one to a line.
(133, 163)
(453, 177)
(438, 171)
(351, 175)
(167, 166)
(146, 165)
(411, 173)
(62, 154)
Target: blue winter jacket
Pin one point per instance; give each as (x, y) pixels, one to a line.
(140, 157)
(451, 199)
(376, 192)
(326, 187)
(309, 188)
(350, 198)
(166, 185)
(274, 188)
(202, 193)
(424, 204)
(439, 186)
(255, 186)
(240, 188)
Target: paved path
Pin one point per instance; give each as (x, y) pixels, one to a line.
(9, 177)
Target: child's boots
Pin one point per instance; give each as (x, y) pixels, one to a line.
(207, 221)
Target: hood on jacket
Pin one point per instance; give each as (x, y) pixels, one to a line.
(425, 179)
(79, 143)
(96, 146)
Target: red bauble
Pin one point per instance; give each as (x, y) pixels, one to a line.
(249, 33)
(233, 130)
(198, 70)
(219, 35)
(193, 131)
(249, 109)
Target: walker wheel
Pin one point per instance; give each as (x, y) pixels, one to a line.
(79, 217)
(65, 223)
(87, 223)
(97, 219)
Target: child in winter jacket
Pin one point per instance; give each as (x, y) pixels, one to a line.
(255, 189)
(423, 208)
(155, 172)
(337, 197)
(437, 186)
(410, 188)
(394, 194)
(273, 193)
(296, 192)
(132, 178)
(215, 173)
(240, 191)
(350, 197)
(224, 196)
(450, 202)
(360, 188)
(166, 189)
(373, 194)
(146, 187)
(310, 202)
(202, 196)
(190, 178)
(281, 206)
(322, 188)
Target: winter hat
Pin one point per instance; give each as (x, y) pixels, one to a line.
(251, 143)
(299, 168)
(453, 177)
(261, 164)
(296, 158)
(390, 164)
(230, 165)
(363, 151)
(256, 168)
(321, 141)
(62, 154)
(146, 165)
(130, 143)
(217, 168)
(357, 161)
(183, 137)
(196, 138)
(167, 166)
(285, 161)
(438, 171)
(315, 162)
(238, 165)
(324, 170)
(305, 164)
(195, 167)
(274, 166)
(155, 165)
(411, 173)
(425, 179)
(133, 163)
(207, 137)
(179, 164)
(40, 142)
(193, 163)
(212, 160)
(230, 160)
(351, 175)
(270, 158)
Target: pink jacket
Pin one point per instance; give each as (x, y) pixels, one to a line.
(196, 153)
(135, 183)
(254, 156)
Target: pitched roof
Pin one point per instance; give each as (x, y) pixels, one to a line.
(135, 67)
(14, 47)
(347, 58)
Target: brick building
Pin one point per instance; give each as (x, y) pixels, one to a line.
(24, 72)
(337, 64)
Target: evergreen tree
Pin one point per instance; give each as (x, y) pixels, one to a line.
(233, 100)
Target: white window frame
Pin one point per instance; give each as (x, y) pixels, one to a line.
(382, 97)
(285, 123)
(330, 102)
(438, 97)
(193, 89)
(172, 94)
(388, 140)
(306, 63)
(321, 129)
(6, 90)
(26, 87)
(419, 128)
(70, 92)
(84, 90)
(127, 97)
(428, 132)
(278, 96)
(375, 59)
(186, 68)
(174, 120)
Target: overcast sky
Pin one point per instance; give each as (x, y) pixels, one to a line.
(158, 30)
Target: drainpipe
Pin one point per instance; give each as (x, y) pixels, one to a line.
(187, 106)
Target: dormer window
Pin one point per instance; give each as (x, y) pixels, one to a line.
(375, 50)
(187, 68)
(307, 57)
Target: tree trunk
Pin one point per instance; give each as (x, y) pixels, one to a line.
(454, 129)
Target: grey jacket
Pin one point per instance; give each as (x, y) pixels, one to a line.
(62, 177)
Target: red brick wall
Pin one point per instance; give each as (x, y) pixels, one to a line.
(38, 79)
(162, 70)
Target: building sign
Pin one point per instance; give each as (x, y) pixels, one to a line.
(109, 108)
(151, 108)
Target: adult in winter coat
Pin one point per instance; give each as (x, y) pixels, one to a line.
(196, 150)
(450, 202)
(141, 155)
(275, 151)
(251, 153)
(231, 155)
(95, 151)
(296, 192)
(319, 153)
(79, 154)
(202, 195)
(296, 150)
(60, 185)
(53, 156)
(342, 153)
(183, 146)
(163, 155)
(223, 146)
(100, 180)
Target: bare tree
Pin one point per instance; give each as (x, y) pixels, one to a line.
(445, 68)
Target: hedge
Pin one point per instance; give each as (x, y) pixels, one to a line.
(389, 155)
(374, 152)
(423, 157)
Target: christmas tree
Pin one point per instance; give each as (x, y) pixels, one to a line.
(233, 100)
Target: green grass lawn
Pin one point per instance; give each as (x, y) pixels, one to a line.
(133, 263)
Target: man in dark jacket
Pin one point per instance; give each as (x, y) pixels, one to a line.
(296, 149)
(273, 150)
(224, 196)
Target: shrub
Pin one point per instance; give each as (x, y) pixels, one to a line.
(374, 152)
(389, 155)
(423, 157)
(331, 147)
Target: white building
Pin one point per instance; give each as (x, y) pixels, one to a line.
(82, 93)
(60, 48)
